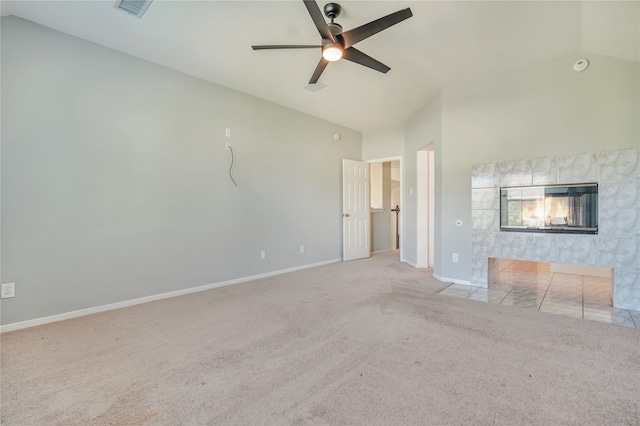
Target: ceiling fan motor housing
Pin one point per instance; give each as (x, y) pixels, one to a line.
(335, 28)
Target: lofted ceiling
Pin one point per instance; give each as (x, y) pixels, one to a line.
(444, 43)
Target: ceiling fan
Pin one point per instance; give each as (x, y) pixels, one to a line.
(337, 44)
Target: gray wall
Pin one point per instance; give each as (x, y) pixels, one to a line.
(423, 129)
(115, 179)
(546, 109)
(383, 144)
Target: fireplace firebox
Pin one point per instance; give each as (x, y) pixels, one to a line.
(550, 209)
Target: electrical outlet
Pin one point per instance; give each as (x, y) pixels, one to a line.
(227, 146)
(454, 257)
(227, 132)
(263, 254)
(302, 249)
(8, 290)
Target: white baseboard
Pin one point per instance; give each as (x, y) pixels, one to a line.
(126, 303)
(451, 280)
(415, 265)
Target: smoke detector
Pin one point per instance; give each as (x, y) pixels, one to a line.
(136, 8)
(580, 65)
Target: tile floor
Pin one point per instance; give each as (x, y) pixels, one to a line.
(532, 285)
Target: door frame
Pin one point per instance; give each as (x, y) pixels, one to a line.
(425, 206)
(402, 227)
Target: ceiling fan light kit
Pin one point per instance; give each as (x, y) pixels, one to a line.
(331, 51)
(337, 44)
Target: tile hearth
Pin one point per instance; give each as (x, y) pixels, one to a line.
(530, 286)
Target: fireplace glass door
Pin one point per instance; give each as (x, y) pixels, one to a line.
(553, 208)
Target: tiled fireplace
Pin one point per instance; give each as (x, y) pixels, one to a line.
(616, 244)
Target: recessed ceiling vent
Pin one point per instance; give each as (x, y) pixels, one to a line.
(133, 7)
(315, 87)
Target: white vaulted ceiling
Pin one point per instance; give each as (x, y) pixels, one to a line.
(444, 43)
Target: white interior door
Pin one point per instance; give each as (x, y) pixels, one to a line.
(355, 204)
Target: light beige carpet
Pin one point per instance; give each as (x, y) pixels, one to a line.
(366, 342)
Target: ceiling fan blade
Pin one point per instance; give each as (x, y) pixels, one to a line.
(355, 35)
(318, 20)
(316, 74)
(354, 55)
(285, 46)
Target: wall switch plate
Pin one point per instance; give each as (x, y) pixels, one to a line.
(454, 257)
(263, 254)
(302, 249)
(227, 132)
(8, 290)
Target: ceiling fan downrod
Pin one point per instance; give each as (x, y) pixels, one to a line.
(332, 11)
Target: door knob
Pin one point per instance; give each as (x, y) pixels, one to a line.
(346, 215)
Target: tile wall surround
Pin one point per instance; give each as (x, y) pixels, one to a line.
(617, 244)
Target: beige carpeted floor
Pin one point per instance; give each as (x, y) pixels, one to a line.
(366, 342)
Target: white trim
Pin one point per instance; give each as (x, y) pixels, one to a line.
(422, 207)
(414, 264)
(385, 160)
(452, 280)
(126, 303)
(425, 204)
(408, 262)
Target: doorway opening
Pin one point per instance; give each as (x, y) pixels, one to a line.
(386, 205)
(425, 191)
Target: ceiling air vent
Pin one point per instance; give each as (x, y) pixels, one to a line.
(133, 7)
